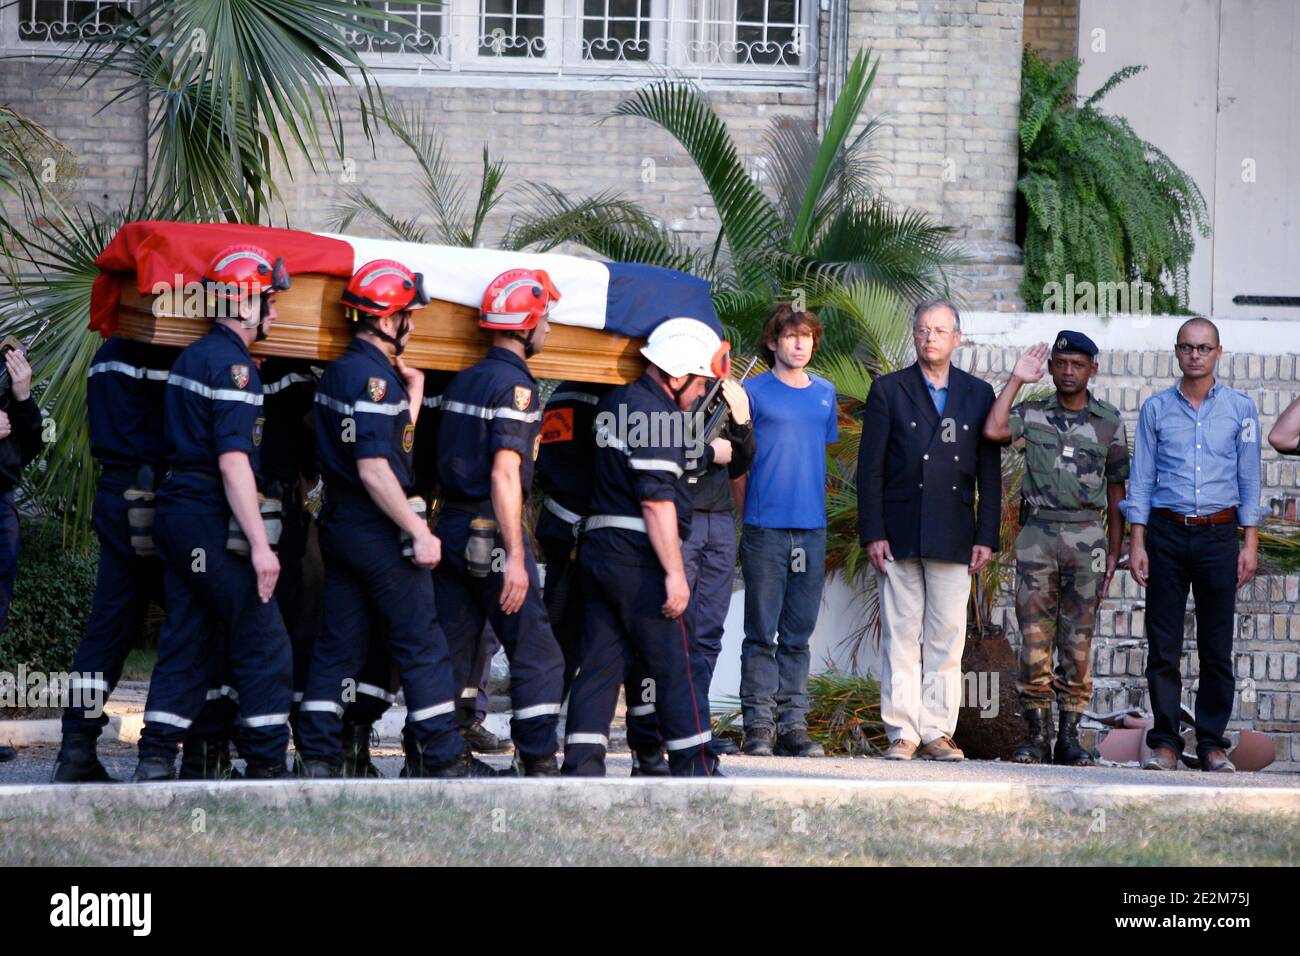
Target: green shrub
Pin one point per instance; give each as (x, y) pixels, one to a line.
(1099, 203)
(51, 602)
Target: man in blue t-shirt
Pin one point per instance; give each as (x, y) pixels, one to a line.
(783, 545)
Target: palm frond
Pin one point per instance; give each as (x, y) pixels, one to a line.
(357, 204)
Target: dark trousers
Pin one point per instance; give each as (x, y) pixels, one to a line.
(709, 554)
(624, 617)
(8, 554)
(1203, 559)
(215, 622)
(566, 607)
(466, 603)
(472, 704)
(366, 574)
(784, 570)
(125, 583)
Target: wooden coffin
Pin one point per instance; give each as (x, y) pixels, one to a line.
(310, 325)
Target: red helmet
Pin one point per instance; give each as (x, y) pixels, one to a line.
(517, 299)
(245, 270)
(385, 287)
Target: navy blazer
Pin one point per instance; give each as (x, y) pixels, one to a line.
(918, 476)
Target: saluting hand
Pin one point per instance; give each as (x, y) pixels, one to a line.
(1029, 367)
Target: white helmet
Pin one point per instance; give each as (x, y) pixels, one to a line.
(686, 347)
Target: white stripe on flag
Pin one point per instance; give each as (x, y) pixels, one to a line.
(461, 275)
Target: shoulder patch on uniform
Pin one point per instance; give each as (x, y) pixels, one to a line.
(523, 397)
(239, 375)
(377, 388)
(408, 438)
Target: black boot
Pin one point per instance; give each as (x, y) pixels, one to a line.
(267, 771)
(482, 741)
(1037, 747)
(356, 751)
(7, 753)
(1068, 750)
(77, 761)
(315, 770)
(207, 758)
(650, 763)
(150, 769)
(797, 743)
(466, 765)
(527, 766)
(758, 742)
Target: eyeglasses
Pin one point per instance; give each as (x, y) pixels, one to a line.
(1187, 348)
(926, 334)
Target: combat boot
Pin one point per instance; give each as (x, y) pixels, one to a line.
(1037, 747)
(527, 766)
(207, 758)
(483, 741)
(151, 769)
(466, 765)
(77, 761)
(316, 770)
(356, 751)
(1069, 751)
(650, 763)
(267, 771)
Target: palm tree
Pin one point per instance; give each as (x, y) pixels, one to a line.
(442, 190)
(232, 82)
(827, 223)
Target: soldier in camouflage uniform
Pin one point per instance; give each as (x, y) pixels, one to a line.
(1076, 463)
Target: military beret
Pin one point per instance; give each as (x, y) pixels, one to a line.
(1067, 341)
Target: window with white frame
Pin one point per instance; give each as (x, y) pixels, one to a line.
(722, 39)
(66, 21)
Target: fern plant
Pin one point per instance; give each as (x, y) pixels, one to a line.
(1100, 203)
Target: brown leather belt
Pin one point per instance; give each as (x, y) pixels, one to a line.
(1226, 516)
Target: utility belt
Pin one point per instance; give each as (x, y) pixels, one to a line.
(271, 509)
(1030, 512)
(624, 522)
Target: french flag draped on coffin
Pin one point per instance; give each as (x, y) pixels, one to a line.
(604, 310)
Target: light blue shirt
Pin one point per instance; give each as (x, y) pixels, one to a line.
(938, 395)
(1196, 461)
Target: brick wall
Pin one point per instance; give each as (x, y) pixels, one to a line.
(948, 88)
(1052, 27)
(1267, 641)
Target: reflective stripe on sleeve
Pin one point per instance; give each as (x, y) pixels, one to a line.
(478, 411)
(134, 371)
(216, 394)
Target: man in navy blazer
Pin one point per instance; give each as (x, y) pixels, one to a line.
(929, 506)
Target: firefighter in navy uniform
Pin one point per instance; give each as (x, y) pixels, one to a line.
(472, 702)
(219, 567)
(124, 408)
(630, 557)
(564, 471)
(367, 410)
(487, 443)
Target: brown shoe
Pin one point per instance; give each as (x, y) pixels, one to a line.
(1216, 761)
(900, 750)
(942, 749)
(1162, 758)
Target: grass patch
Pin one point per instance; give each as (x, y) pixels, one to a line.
(353, 831)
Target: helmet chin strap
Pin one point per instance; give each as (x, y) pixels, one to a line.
(394, 341)
(677, 392)
(263, 312)
(526, 340)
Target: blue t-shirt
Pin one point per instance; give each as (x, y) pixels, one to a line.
(792, 427)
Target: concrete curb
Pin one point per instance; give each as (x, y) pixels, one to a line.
(594, 794)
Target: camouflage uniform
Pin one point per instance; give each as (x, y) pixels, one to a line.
(1070, 458)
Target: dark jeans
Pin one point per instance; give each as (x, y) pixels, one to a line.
(784, 569)
(8, 554)
(1204, 559)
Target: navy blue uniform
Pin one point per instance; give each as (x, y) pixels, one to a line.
(491, 406)
(623, 583)
(17, 451)
(362, 411)
(215, 621)
(565, 471)
(124, 405)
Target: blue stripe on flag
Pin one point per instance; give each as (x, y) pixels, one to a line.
(641, 296)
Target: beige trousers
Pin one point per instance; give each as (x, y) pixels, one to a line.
(923, 632)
